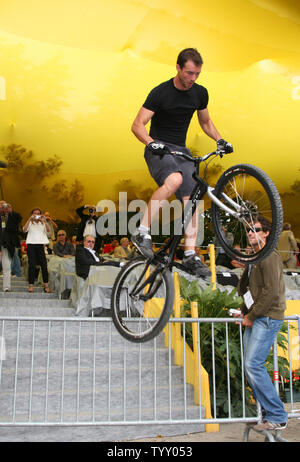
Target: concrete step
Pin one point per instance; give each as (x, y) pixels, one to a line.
(19, 302)
(115, 356)
(17, 282)
(34, 301)
(93, 333)
(26, 295)
(96, 333)
(38, 311)
(24, 288)
(14, 278)
(86, 413)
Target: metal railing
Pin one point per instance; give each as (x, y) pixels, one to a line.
(62, 371)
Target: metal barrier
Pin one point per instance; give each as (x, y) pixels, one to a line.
(62, 371)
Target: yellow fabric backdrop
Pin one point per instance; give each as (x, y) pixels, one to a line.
(73, 74)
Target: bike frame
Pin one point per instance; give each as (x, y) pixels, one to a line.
(155, 271)
(200, 189)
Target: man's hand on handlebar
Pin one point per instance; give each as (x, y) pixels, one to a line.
(224, 146)
(159, 149)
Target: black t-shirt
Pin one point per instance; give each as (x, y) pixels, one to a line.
(173, 110)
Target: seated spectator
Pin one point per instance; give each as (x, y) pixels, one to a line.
(74, 242)
(23, 248)
(155, 248)
(123, 250)
(102, 244)
(63, 248)
(86, 256)
(179, 250)
(222, 258)
(200, 254)
(236, 263)
(110, 247)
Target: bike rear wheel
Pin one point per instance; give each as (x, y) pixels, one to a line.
(142, 300)
(255, 195)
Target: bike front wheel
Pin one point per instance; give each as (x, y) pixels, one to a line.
(142, 300)
(250, 194)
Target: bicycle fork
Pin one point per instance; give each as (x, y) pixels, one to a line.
(235, 213)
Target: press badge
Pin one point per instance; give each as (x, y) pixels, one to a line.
(248, 299)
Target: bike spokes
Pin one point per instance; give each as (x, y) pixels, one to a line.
(250, 194)
(141, 299)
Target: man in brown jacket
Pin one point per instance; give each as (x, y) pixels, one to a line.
(262, 287)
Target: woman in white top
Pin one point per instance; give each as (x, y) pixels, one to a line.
(36, 228)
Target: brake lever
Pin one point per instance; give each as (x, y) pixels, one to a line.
(222, 152)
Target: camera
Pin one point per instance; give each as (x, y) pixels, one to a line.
(37, 217)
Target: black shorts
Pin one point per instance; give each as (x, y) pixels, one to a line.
(161, 167)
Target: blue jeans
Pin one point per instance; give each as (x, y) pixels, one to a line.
(16, 265)
(258, 341)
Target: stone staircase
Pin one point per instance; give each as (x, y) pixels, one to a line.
(90, 374)
(19, 302)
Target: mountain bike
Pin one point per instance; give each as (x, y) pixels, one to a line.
(143, 292)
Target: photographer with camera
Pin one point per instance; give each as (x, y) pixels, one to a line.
(87, 226)
(9, 240)
(37, 228)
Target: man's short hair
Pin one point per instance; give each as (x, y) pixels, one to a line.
(88, 235)
(265, 223)
(189, 54)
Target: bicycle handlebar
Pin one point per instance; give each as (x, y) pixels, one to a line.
(218, 152)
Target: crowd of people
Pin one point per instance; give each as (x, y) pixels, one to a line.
(43, 237)
(40, 236)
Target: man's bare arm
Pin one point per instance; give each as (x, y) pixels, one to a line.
(207, 125)
(139, 125)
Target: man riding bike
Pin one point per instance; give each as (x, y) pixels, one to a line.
(170, 107)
